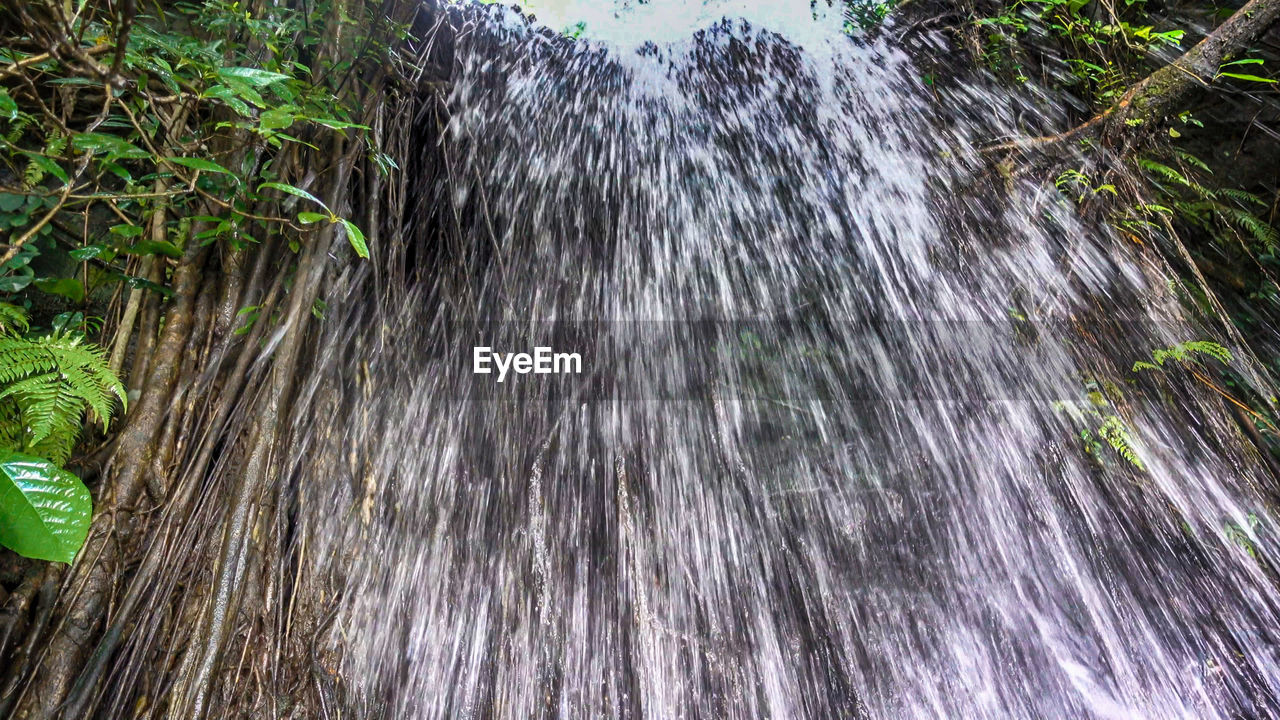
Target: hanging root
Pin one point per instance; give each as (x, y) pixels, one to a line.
(191, 596)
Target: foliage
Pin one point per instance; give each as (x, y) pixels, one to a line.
(1103, 52)
(157, 140)
(1228, 216)
(142, 139)
(1176, 191)
(47, 384)
(1099, 422)
(44, 510)
(1184, 353)
(864, 15)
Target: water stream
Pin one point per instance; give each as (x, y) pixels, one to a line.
(857, 432)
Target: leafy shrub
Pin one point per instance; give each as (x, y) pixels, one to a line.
(48, 383)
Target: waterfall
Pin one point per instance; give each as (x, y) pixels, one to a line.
(857, 432)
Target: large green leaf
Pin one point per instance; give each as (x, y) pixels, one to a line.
(275, 120)
(228, 96)
(69, 288)
(44, 510)
(108, 145)
(253, 76)
(355, 237)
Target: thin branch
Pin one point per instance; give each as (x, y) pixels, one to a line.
(16, 67)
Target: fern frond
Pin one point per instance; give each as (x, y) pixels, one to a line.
(1258, 229)
(53, 380)
(1164, 171)
(1183, 352)
(32, 176)
(13, 319)
(21, 358)
(1114, 431)
(1192, 160)
(11, 429)
(1243, 197)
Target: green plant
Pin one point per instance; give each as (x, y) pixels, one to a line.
(1247, 77)
(44, 510)
(1076, 182)
(1184, 353)
(1098, 421)
(1101, 51)
(1227, 215)
(1241, 535)
(48, 382)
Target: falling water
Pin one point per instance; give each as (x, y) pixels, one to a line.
(856, 433)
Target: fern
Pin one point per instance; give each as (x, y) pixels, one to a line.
(1193, 161)
(16, 129)
(47, 383)
(1184, 353)
(1243, 197)
(1164, 171)
(13, 319)
(32, 176)
(1228, 214)
(1095, 418)
(1258, 229)
(1114, 431)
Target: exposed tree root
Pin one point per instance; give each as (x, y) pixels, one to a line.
(188, 598)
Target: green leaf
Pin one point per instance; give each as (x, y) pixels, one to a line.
(199, 164)
(10, 202)
(299, 192)
(337, 124)
(306, 218)
(276, 141)
(44, 510)
(355, 237)
(1249, 78)
(253, 76)
(14, 283)
(228, 96)
(48, 165)
(118, 171)
(145, 284)
(109, 145)
(76, 81)
(24, 257)
(69, 288)
(92, 251)
(275, 120)
(8, 108)
(126, 230)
